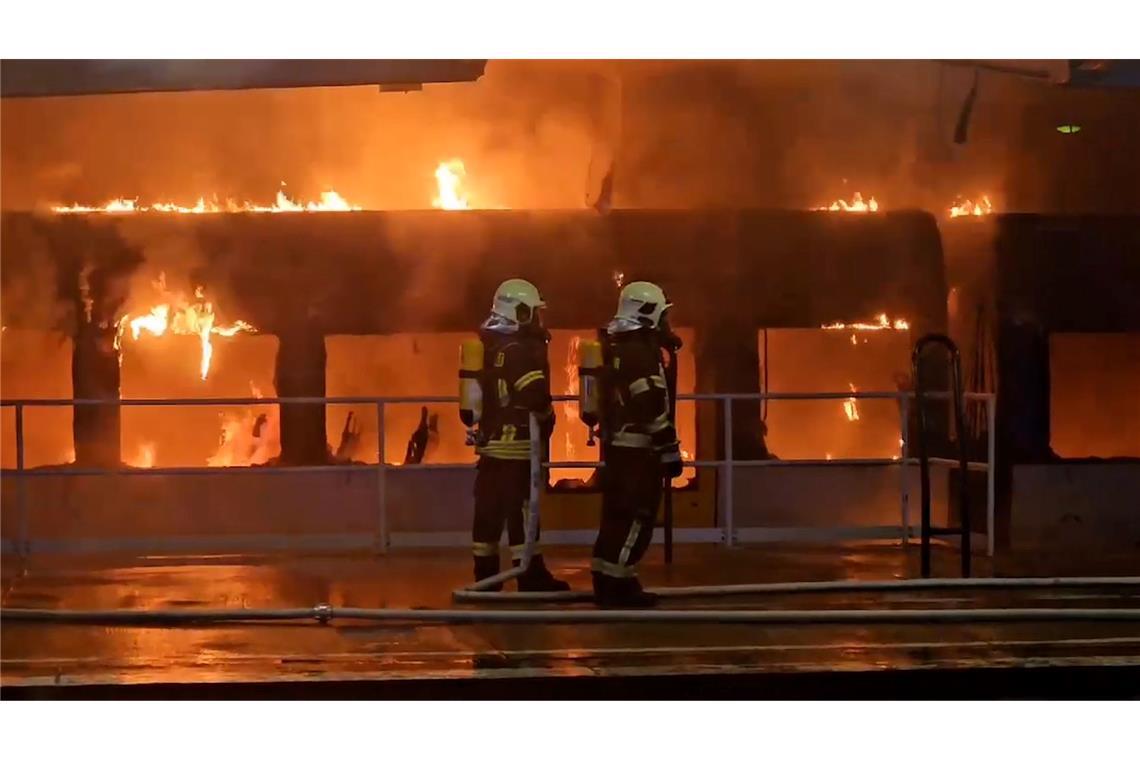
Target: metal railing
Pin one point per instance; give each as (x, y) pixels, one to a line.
(959, 419)
(382, 540)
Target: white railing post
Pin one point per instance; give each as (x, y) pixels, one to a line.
(23, 545)
(904, 453)
(991, 465)
(381, 484)
(729, 520)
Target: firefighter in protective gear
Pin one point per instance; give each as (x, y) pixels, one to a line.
(515, 381)
(641, 447)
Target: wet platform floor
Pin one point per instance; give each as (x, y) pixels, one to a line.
(307, 659)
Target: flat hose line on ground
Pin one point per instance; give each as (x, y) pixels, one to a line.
(325, 613)
(812, 587)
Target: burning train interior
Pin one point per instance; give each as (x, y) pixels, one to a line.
(809, 219)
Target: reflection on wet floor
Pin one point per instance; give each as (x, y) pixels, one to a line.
(270, 651)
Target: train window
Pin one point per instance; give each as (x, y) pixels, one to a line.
(1094, 405)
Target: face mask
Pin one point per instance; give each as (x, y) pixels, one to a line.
(670, 339)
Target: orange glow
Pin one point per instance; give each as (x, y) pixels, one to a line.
(970, 208)
(250, 437)
(181, 317)
(155, 323)
(851, 405)
(857, 205)
(449, 181)
(330, 201)
(881, 323)
(570, 408)
(143, 458)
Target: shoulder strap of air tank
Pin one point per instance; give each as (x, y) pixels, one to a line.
(606, 343)
(671, 378)
(604, 375)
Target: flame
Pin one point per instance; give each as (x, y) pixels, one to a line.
(619, 278)
(970, 208)
(248, 438)
(181, 317)
(85, 293)
(857, 205)
(155, 323)
(330, 201)
(143, 458)
(449, 180)
(881, 323)
(570, 408)
(851, 405)
(688, 473)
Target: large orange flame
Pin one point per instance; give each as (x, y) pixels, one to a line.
(881, 323)
(570, 408)
(330, 201)
(857, 205)
(250, 437)
(970, 208)
(449, 183)
(143, 458)
(182, 317)
(851, 405)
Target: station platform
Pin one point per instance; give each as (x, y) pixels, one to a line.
(344, 658)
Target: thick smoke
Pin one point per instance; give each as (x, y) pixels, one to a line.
(543, 135)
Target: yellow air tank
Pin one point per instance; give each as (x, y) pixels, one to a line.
(589, 385)
(470, 391)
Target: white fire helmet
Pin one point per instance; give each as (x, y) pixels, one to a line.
(643, 303)
(517, 301)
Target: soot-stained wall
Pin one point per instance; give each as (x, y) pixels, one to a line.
(1017, 278)
(300, 276)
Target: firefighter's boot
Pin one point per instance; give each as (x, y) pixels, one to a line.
(538, 578)
(485, 567)
(621, 593)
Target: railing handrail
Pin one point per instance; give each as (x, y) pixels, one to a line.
(235, 401)
(727, 465)
(72, 470)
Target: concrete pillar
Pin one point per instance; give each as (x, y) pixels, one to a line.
(95, 375)
(728, 361)
(1023, 411)
(300, 372)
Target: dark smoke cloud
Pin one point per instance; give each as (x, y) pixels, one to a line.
(543, 134)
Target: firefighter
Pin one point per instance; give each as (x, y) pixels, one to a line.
(640, 441)
(514, 382)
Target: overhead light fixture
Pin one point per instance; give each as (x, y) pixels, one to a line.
(1069, 129)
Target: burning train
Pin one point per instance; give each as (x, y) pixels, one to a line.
(228, 297)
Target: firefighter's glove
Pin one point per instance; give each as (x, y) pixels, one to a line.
(546, 425)
(671, 460)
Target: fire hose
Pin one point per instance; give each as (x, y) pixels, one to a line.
(671, 389)
(324, 613)
(822, 587)
(476, 592)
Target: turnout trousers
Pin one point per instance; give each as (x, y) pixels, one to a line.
(502, 494)
(632, 484)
